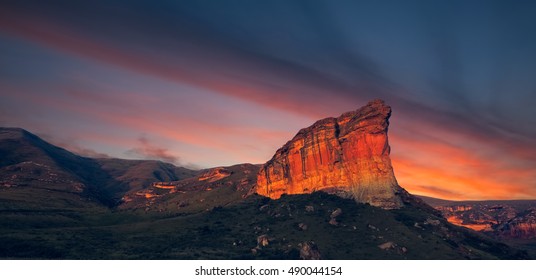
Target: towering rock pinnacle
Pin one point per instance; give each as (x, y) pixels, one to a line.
(348, 155)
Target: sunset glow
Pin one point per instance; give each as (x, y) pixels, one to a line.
(201, 87)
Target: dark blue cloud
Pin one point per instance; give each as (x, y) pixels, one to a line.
(468, 58)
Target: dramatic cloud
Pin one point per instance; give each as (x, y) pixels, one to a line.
(223, 83)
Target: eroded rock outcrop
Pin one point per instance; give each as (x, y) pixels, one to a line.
(348, 155)
(215, 174)
(522, 226)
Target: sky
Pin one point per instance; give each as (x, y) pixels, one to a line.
(214, 83)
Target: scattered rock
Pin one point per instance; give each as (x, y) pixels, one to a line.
(309, 251)
(264, 207)
(387, 245)
(336, 213)
(372, 227)
(333, 222)
(302, 226)
(262, 241)
(309, 208)
(432, 222)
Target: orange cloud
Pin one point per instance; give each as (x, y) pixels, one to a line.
(437, 169)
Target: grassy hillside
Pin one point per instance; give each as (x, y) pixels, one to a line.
(360, 232)
(34, 173)
(139, 174)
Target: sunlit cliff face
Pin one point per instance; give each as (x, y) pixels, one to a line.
(350, 152)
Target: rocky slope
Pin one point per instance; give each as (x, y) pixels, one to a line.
(210, 188)
(348, 155)
(139, 174)
(307, 226)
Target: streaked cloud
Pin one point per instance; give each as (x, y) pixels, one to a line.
(218, 85)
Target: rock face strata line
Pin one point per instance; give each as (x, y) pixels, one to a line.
(348, 155)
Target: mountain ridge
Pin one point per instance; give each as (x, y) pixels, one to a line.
(56, 205)
(27, 160)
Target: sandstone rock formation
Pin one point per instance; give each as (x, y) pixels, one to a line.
(215, 174)
(348, 155)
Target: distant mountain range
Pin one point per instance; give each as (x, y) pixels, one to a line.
(29, 164)
(58, 205)
(505, 219)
